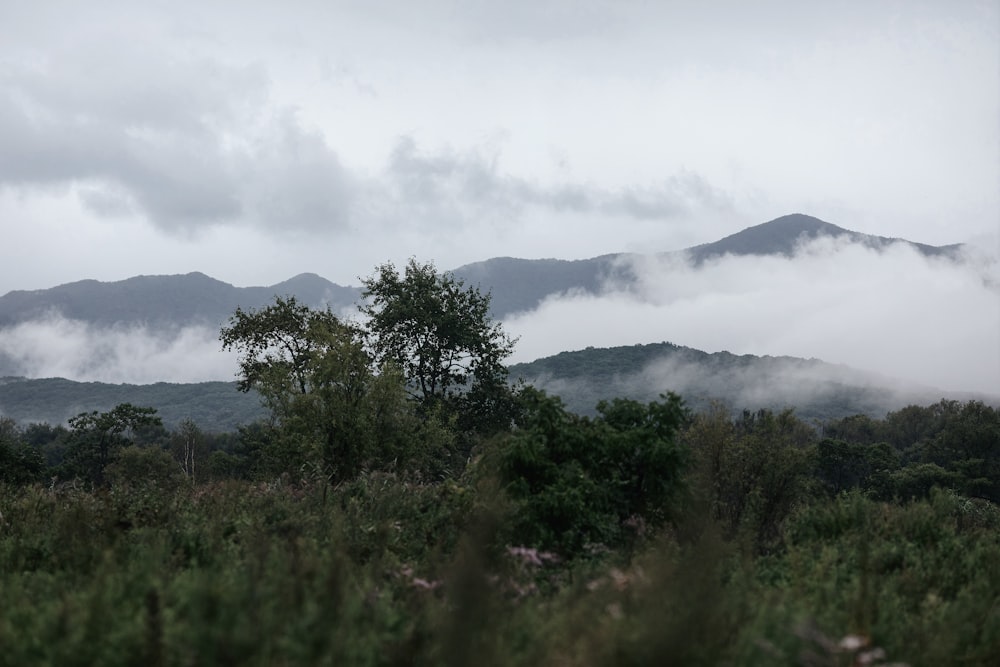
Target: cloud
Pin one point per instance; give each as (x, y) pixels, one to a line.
(54, 346)
(464, 187)
(191, 142)
(185, 142)
(894, 312)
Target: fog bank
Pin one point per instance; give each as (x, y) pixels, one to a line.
(58, 347)
(935, 322)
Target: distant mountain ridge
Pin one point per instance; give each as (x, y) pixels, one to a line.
(817, 390)
(517, 285)
(179, 300)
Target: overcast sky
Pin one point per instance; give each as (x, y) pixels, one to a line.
(254, 141)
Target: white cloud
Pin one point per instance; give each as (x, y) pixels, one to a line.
(58, 347)
(894, 312)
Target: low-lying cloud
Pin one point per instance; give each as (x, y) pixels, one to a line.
(58, 347)
(813, 388)
(934, 322)
(931, 322)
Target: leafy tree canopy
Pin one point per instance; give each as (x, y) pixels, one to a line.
(278, 343)
(579, 480)
(334, 407)
(96, 438)
(438, 331)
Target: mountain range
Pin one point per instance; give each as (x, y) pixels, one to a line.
(169, 303)
(516, 285)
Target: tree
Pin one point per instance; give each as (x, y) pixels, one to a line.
(577, 480)
(96, 438)
(313, 373)
(186, 443)
(20, 463)
(841, 466)
(752, 471)
(277, 344)
(440, 334)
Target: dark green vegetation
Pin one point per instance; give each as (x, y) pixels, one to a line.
(213, 406)
(757, 542)
(402, 504)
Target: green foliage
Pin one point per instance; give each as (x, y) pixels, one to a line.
(968, 443)
(96, 438)
(145, 468)
(917, 579)
(440, 334)
(947, 444)
(277, 345)
(214, 406)
(841, 466)
(330, 410)
(385, 571)
(750, 472)
(580, 482)
(20, 462)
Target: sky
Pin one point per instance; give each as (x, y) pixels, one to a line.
(254, 141)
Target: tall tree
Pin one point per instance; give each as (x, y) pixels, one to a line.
(313, 373)
(440, 334)
(96, 438)
(20, 463)
(277, 345)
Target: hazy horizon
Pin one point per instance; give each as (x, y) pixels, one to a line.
(924, 321)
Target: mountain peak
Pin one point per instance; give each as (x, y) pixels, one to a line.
(799, 222)
(783, 235)
(776, 237)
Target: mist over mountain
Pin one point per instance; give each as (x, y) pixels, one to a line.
(520, 285)
(517, 285)
(782, 236)
(816, 390)
(792, 287)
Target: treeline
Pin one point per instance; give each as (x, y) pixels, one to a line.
(950, 445)
(405, 504)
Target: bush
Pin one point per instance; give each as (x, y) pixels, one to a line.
(578, 482)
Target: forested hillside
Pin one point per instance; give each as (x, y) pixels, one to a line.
(213, 406)
(815, 389)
